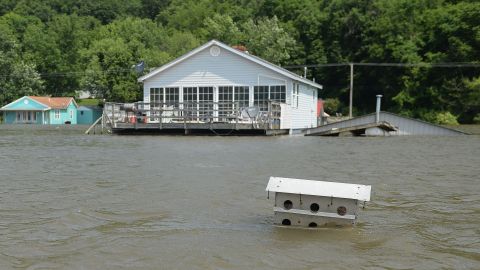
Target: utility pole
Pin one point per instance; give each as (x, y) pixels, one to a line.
(351, 90)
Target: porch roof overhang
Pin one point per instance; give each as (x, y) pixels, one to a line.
(25, 110)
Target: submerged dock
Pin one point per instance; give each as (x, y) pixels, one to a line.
(355, 130)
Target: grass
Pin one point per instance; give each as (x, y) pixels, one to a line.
(88, 102)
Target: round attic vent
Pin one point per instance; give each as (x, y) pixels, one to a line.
(25, 101)
(214, 51)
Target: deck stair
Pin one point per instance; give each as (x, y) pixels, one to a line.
(103, 123)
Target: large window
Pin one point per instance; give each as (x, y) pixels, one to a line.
(172, 96)
(205, 102)
(264, 93)
(156, 101)
(165, 98)
(57, 114)
(231, 99)
(190, 99)
(260, 97)
(241, 96)
(198, 102)
(156, 96)
(225, 100)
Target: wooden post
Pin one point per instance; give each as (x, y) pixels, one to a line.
(269, 120)
(184, 113)
(113, 115)
(160, 112)
(351, 91)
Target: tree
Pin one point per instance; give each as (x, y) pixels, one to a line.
(267, 39)
(17, 78)
(222, 28)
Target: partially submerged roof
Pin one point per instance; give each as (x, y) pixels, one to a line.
(240, 53)
(404, 125)
(319, 188)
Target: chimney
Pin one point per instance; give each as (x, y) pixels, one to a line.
(240, 48)
(379, 101)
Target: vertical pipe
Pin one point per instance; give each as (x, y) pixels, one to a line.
(351, 91)
(305, 72)
(377, 115)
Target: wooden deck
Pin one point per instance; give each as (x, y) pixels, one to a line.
(193, 118)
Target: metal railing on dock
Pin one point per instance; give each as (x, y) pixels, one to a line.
(184, 114)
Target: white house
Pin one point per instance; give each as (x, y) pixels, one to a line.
(214, 75)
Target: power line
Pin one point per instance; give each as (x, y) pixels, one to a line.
(421, 64)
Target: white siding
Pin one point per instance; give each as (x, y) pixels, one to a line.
(203, 69)
(305, 116)
(225, 69)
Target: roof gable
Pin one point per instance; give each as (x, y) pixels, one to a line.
(55, 102)
(26, 104)
(247, 56)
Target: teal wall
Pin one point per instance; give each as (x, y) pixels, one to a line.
(11, 117)
(87, 116)
(65, 115)
(69, 114)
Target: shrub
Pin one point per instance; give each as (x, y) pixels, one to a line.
(331, 105)
(476, 119)
(440, 118)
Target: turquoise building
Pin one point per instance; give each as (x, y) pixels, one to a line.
(87, 115)
(41, 110)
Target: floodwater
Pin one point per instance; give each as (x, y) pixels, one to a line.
(72, 201)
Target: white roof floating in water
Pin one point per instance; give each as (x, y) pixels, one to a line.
(310, 203)
(319, 188)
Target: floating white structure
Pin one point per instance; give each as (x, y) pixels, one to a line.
(310, 203)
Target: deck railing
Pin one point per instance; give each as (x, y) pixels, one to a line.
(194, 112)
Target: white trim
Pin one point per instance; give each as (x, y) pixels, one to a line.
(252, 58)
(319, 188)
(5, 109)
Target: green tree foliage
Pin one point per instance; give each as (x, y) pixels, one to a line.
(17, 78)
(267, 39)
(58, 47)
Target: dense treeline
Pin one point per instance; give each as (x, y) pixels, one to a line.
(58, 47)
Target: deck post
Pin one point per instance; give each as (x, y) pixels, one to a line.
(113, 115)
(269, 118)
(160, 120)
(184, 113)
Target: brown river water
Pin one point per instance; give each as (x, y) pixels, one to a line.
(72, 201)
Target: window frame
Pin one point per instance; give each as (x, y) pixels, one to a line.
(263, 104)
(295, 95)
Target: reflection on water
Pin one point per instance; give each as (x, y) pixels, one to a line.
(70, 201)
